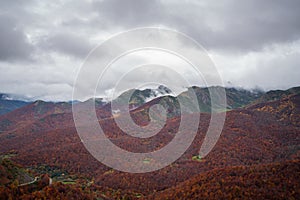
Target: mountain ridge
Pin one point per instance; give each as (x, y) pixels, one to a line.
(236, 97)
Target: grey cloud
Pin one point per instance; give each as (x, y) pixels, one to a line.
(16, 8)
(231, 24)
(67, 43)
(131, 12)
(37, 81)
(72, 28)
(252, 25)
(273, 68)
(14, 44)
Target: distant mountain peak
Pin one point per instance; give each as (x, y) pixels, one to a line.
(7, 97)
(38, 102)
(139, 97)
(164, 89)
(8, 103)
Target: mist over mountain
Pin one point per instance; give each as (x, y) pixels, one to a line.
(134, 98)
(8, 103)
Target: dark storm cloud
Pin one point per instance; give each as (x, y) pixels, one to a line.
(250, 25)
(14, 44)
(229, 24)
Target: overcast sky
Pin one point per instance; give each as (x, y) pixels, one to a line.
(253, 43)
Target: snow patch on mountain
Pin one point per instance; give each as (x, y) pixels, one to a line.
(159, 92)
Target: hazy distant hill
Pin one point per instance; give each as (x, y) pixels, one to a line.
(236, 98)
(274, 95)
(7, 104)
